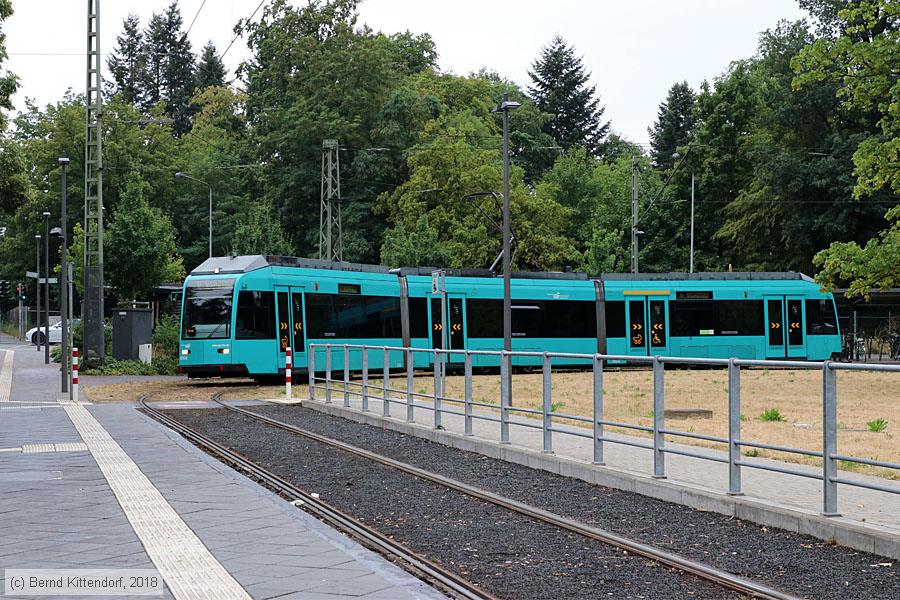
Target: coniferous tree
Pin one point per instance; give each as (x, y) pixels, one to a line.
(560, 88)
(127, 62)
(674, 125)
(211, 69)
(169, 74)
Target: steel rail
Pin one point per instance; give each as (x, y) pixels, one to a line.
(419, 565)
(698, 569)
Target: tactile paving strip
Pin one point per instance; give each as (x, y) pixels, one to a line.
(6, 375)
(186, 565)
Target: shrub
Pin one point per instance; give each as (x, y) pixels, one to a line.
(771, 414)
(878, 425)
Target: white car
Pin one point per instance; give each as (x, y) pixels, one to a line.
(36, 334)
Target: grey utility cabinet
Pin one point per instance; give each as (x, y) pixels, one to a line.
(131, 328)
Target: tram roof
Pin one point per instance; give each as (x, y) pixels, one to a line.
(244, 264)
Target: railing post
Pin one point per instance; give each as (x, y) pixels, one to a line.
(829, 441)
(346, 376)
(365, 379)
(328, 373)
(467, 367)
(311, 371)
(437, 391)
(598, 410)
(410, 408)
(504, 396)
(659, 383)
(548, 404)
(386, 377)
(734, 428)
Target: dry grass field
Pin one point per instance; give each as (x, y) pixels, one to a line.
(863, 398)
(795, 395)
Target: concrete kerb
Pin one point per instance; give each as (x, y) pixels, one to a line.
(845, 532)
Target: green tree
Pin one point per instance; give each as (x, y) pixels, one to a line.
(863, 59)
(560, 88)
(446, 166)
(257, 232)
(314, 75)
(674, 125)
(9, 83)
(127, 63)
(140, 244)
(210, 69)
(418, 247)
(877, 264)
(170, 65)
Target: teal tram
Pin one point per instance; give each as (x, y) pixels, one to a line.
(240, 313)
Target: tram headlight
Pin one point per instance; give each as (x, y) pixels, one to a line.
(224, 351)
(185, 351)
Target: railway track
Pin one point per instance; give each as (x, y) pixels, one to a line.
(427, 570)
(703, 571)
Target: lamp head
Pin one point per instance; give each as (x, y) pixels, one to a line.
(179, 174)
(63, 160)
(56, 231)
(37, 236)
(46, 214)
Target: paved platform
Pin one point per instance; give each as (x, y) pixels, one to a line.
(105, 487)
(870, 520)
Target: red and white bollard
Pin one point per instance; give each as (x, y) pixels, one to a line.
(287, 372)
(74, 374)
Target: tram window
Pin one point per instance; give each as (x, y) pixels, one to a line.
(820, 318)
(352, 317)
(418, 318)
(527, 319)
(741, 317)
(570, 319)
(615, 318)
(255, 316)
(207, 309)
(485, 318)
(692, 318)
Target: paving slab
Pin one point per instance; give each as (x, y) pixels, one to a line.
(108, 487)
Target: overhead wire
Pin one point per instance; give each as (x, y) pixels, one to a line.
(194, 20)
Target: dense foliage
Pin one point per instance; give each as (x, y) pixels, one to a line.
(794, 152)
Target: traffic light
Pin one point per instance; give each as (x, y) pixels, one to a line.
(4, 289)
(20, 292)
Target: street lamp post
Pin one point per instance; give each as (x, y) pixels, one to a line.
(63, 278)
(185, 176)
(692, 222)
(37, 289)
(46, 215)
(504, 107)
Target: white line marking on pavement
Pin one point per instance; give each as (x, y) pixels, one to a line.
(63, 447)
(187, 566)
(11, 449)
(6, 375)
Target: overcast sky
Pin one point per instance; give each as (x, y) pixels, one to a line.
(635, 49)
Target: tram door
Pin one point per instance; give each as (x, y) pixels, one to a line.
(291, 330)
(455, 324)
(648, 330)
(786, 336)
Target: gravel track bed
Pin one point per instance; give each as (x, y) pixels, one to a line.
(510, 555)
(795, 563)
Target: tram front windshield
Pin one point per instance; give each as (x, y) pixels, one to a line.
(207, 309)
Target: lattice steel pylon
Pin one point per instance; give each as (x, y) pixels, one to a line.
(94, 342)
(331, 243)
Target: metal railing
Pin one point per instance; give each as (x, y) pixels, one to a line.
(544, 418)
